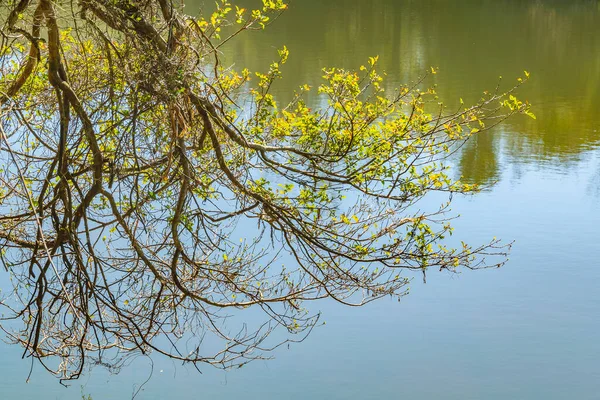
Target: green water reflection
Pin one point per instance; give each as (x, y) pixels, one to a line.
(473, 43)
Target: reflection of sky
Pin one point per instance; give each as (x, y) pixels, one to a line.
(528, 330)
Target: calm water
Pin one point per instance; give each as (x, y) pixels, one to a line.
(528, 331)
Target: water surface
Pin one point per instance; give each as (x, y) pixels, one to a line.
(527, 331)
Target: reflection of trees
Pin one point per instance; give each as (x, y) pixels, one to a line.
(479, 162)
(566, 39)
(473, 42)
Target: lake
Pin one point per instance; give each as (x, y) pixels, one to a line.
(529, 330)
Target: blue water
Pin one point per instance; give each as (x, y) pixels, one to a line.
(526, 331)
